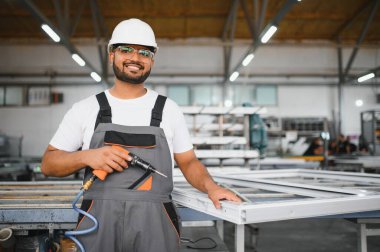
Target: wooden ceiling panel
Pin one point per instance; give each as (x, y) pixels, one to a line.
(242, 29)
(22, 27)
(209, 8)
(354, 31)
(196, 27)
(307, 20)
(170, 28)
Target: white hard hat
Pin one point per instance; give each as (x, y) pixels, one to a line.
(133, 31)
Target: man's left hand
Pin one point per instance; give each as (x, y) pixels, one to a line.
(220, 193)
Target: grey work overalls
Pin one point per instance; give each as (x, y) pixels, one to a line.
(133, 207)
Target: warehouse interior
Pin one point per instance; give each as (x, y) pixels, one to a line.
(281, 100)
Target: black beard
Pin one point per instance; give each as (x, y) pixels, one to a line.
(120, 75)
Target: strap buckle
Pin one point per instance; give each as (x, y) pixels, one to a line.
(105, 111)
(156, 115)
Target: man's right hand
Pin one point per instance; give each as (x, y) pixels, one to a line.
(59, 163)
(107, 159)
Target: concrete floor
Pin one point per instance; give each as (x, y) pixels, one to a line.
(308, 235)
(205, 244)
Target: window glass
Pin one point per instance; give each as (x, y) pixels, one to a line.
(216, 98)
(13, 96)
(266, 95)
(202, 95)
(243, 94)
(179, 94)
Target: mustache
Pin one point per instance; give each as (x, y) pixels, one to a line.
(135, 63)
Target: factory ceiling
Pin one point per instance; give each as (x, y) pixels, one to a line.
(181, 19)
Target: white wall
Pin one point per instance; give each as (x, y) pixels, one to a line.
(303, 101)
(38, 124)
(321, 101)
(351, 113)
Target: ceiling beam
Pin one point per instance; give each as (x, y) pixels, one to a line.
(59, 15)
(256, 16)
(228, 35)
(227, 23)
(76, 20)
(66, 15)
(286, 7)
(347, 24)
(264, 5)
(361, 36)
(102, 50)
(250, 22)
(65, 41)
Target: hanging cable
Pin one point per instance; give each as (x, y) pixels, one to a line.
(71, 234)
(195, 246)
(136, 161)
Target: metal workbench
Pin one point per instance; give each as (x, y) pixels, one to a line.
(270, 195)
(360, 163)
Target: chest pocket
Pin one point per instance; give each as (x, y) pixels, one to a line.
(133, 142)
(130, 140)
(144, 145)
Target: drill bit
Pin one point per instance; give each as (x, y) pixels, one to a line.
(159, 173)
(136, 160)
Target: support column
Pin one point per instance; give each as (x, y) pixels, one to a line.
(220, 228)
(362, 238)
(239, 237)
(340, 87)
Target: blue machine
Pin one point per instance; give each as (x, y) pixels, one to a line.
(258, 138)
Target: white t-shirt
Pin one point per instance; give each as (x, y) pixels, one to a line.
(77, 127)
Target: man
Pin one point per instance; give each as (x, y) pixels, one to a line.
(315, 148)
(133, 207)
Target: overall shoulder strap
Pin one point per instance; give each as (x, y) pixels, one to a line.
(157, 111)
(104, 115)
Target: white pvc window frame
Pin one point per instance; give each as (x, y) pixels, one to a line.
(320, 200)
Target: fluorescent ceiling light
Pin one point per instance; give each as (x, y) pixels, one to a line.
(359, 103)
(96, 77)
(248, 59)
(234, 76)
(366, 77)
(54, 36)
(268, 34)
(78, 59)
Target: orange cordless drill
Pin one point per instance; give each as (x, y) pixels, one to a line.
(136, 161)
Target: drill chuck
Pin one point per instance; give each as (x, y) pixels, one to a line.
(137, 161)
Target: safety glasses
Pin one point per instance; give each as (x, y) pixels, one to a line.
(129, 51)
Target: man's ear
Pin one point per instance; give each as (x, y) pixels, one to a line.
(111, 56)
